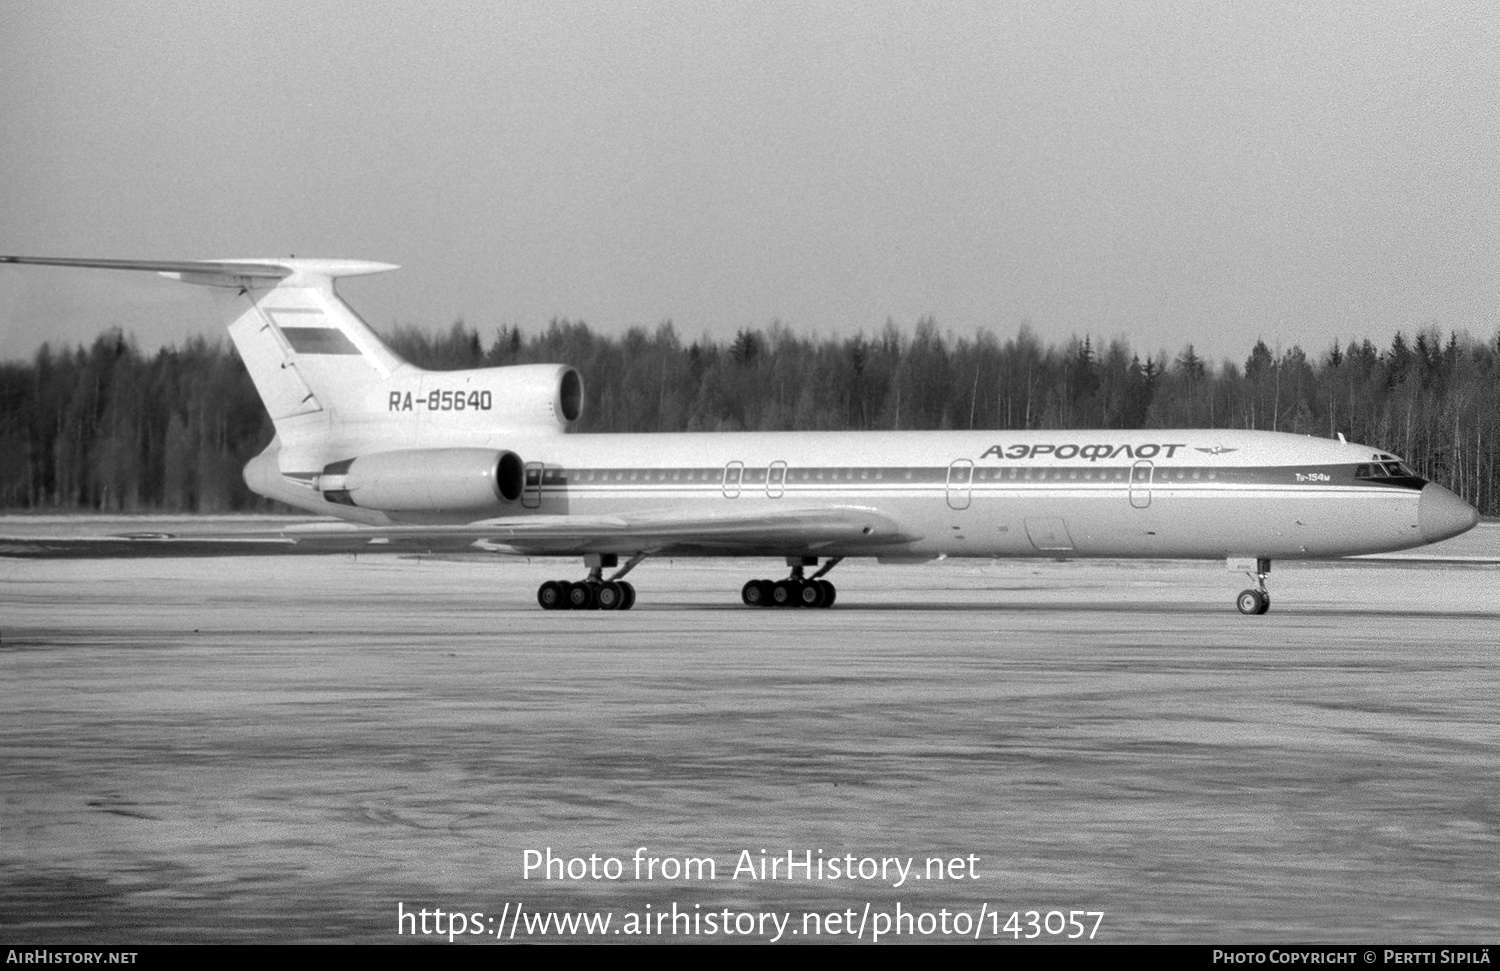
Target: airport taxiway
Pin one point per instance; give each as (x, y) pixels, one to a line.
(286, 748)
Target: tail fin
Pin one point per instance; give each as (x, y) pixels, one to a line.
(306, 350)
(336, 393)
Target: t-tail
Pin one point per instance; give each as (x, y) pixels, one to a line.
(357, 425)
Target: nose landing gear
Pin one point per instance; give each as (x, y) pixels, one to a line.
(1257, 601)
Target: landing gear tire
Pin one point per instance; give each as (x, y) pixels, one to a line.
(582, 596)
(609, 596)
(755, 594)
(785, 593)
(830, 592)
(550, 596)
(812, 594)
(1253, 602)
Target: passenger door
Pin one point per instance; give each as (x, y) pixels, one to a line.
(1140, 484)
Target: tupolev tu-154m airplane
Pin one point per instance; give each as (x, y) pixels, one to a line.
(482, 456)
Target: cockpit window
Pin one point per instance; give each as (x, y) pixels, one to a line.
(1383, 470)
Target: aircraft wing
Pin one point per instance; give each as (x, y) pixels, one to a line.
(728, 533)
(789, 531)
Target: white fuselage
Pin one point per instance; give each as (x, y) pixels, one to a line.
(366, 436)
(1150, 493)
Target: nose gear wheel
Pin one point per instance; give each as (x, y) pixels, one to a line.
(1258, 600)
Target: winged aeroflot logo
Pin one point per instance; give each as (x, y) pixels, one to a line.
(1216, 450)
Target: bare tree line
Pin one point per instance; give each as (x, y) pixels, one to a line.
(107, 428)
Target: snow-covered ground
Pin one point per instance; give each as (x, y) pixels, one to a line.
(285, 748)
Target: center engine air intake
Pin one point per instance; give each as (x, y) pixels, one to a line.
(529, 396)
(431, 480)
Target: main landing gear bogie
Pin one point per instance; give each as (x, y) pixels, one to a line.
(796, 590)
(594, 593)
(587, 595)
(791, 592)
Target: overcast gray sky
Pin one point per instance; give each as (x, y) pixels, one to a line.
(1165, 171)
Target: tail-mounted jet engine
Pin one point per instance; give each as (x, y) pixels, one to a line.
(542, 392)
(534, 396)
(522, 396)
(431, 480)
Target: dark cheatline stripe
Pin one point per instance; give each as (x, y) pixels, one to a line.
(318, 340)
(798, 478)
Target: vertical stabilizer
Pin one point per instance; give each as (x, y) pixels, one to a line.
(314, 362)
(306, 350)
(308, 353)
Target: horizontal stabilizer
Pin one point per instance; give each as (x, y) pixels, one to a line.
(230, 273)
(232, 267)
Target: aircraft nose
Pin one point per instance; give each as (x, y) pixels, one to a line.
(1441, 514)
